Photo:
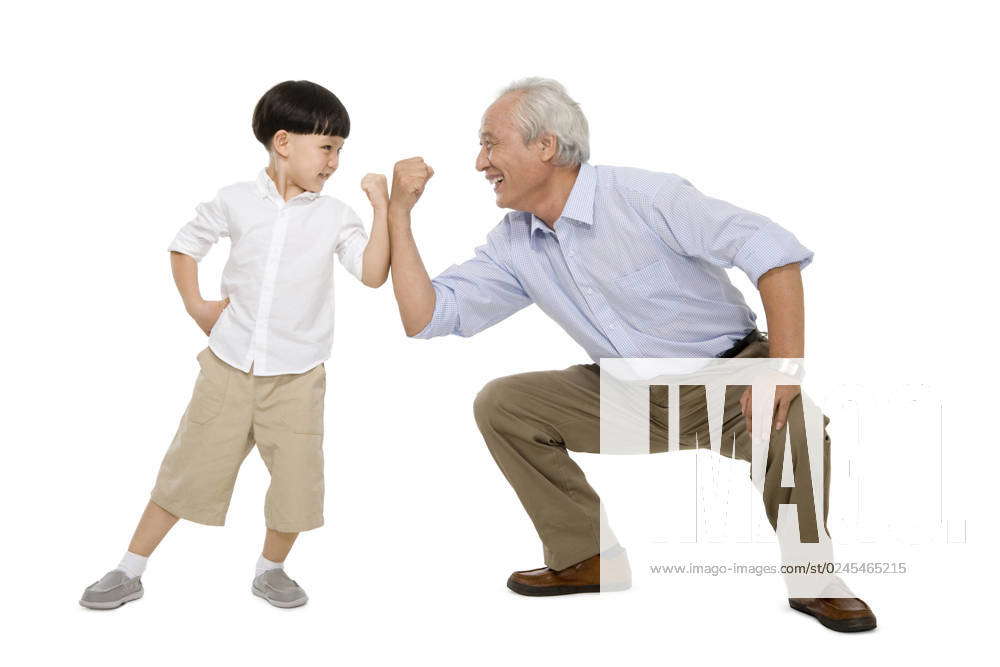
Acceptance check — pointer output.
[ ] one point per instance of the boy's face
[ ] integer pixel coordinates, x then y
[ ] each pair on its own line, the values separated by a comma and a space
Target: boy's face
312, 159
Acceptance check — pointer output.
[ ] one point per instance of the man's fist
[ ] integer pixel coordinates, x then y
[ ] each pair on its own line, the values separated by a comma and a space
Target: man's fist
377, 189
408, 180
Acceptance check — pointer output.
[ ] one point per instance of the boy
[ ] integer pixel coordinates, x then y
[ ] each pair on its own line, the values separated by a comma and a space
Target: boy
262, 379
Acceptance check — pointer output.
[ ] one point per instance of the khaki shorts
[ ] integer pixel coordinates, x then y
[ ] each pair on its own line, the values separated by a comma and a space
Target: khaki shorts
230, 412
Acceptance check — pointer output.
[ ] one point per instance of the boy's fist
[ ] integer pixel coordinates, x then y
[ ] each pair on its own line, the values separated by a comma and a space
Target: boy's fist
377, 189
408, 180
207, 313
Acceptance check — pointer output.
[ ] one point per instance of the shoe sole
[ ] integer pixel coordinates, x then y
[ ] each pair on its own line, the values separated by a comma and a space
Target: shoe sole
114, 604
840, 625
544, 591
277, 603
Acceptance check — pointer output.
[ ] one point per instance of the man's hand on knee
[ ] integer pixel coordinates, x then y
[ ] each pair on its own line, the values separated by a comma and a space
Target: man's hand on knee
784, 394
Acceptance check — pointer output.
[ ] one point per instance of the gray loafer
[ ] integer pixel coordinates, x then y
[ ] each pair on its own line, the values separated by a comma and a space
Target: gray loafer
113, 590
278, 588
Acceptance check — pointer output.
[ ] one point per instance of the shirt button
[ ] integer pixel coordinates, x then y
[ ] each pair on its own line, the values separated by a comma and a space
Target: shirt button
572, 253
590, 291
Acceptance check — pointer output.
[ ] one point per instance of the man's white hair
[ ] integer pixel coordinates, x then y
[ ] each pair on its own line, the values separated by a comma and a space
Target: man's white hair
544, 107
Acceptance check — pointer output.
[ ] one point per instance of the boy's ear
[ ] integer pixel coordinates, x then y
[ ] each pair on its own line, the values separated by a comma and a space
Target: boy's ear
279, 143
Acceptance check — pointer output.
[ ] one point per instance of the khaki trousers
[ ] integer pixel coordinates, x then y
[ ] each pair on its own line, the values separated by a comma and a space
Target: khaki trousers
230, 412
530, 420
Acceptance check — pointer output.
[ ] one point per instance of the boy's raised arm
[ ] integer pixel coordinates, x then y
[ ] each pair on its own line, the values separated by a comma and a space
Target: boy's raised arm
375, 262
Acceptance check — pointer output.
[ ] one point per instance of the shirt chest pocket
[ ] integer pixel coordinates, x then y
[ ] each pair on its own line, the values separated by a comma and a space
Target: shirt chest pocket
646, 292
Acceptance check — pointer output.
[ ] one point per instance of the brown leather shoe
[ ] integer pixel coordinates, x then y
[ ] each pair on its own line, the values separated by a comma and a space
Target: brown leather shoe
584, 577
840, 614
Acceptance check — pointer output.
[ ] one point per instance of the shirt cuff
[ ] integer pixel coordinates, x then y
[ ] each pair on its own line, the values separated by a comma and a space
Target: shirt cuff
766, 250
353, 257
445, 314
191, 250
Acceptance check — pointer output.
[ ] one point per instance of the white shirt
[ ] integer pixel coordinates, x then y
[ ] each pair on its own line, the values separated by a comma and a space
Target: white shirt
279, 276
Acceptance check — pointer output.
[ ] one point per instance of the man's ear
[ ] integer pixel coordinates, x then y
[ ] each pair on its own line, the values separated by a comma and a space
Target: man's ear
279, 143
548, 144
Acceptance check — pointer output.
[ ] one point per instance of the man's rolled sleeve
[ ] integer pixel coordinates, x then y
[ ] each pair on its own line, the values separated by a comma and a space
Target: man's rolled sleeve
476, 294
723, 234
445, 318
209, 225
768, 248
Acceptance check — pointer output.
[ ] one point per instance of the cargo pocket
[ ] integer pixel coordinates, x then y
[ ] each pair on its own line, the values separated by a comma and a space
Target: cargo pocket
308, 415
209, 389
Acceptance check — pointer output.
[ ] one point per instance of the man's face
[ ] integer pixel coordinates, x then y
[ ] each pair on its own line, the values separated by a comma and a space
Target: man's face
312, 159
516, 171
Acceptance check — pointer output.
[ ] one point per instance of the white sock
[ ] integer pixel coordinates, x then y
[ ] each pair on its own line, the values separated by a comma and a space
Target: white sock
263, 565
132, 564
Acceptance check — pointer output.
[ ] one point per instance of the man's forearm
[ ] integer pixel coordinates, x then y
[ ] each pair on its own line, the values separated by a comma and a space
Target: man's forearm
410, 282
781, 291
185, 270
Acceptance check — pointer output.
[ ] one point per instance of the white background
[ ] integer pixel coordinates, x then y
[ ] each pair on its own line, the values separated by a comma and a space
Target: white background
868, 129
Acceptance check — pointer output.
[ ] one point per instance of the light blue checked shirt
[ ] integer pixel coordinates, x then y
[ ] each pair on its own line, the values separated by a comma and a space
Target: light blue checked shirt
635, 267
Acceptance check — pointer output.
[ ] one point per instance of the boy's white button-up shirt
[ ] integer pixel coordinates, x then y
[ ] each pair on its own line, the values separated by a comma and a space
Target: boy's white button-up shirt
279, 276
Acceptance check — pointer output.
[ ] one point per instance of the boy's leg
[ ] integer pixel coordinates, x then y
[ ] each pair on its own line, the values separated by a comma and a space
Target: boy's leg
270, 580
196, 476
155, 523
199, 470
288, 431
277, 545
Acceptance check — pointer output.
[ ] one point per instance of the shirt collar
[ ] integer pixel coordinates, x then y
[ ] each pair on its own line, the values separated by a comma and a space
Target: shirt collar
267, 189
538, 225
580, 203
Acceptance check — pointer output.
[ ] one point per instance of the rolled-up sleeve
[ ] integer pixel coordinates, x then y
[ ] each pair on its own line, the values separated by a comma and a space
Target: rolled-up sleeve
209, 225
351, 242
723, 234
476, 294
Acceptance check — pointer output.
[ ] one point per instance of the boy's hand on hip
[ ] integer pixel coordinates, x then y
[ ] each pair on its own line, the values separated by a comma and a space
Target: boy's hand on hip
207, 313
409, 177
377, 188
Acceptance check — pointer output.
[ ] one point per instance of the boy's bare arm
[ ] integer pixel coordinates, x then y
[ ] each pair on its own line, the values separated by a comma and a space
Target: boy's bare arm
375, 262
204, 313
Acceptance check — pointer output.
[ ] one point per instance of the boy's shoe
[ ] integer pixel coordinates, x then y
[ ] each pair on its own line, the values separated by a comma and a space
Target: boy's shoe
113, 590
278, 589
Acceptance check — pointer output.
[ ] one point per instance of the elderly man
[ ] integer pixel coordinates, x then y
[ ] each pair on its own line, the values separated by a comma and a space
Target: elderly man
630, 263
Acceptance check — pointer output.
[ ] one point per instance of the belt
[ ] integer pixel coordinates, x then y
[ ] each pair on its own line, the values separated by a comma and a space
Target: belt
743, 344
